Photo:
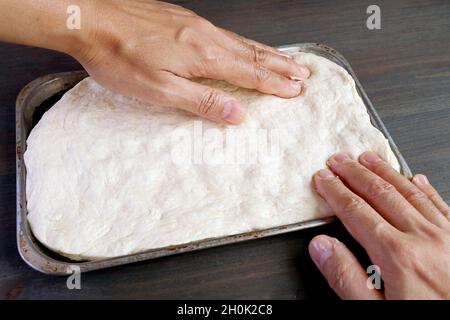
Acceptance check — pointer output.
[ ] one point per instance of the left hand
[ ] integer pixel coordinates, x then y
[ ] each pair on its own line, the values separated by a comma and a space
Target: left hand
153, 50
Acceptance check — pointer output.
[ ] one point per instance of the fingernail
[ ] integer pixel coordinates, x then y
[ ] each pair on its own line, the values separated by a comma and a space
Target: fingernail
325, 174
320, 249
296, 86
302, 72
371, 157
233, 112
340, 157
421, 179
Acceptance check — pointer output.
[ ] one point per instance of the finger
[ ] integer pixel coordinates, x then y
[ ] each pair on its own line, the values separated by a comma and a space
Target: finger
423, 184
411, 192
253, 42
280, 64
205, 101
360, 219
249, 75
341, 269
380, 194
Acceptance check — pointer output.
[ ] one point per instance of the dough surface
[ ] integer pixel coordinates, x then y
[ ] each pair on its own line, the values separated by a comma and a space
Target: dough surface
109, 175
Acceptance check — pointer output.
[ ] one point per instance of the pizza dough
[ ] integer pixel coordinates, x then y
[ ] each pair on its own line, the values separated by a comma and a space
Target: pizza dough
109, 175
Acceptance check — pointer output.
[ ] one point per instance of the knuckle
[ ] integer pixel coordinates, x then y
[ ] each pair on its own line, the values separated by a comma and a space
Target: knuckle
351, 204
379, 188
259, 55
245, 50
415, 196
261, 75
209, 102
202, 23
185, 34
203, 68
381, 232
434, 197
189, 36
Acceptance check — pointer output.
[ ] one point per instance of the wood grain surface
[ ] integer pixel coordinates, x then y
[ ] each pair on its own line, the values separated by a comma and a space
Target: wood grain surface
405, 69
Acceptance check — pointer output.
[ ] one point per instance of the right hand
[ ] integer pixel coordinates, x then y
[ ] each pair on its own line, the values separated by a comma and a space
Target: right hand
151, 50
403, 225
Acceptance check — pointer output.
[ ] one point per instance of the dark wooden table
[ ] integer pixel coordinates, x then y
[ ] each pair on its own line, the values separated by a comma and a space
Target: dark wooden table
405, 69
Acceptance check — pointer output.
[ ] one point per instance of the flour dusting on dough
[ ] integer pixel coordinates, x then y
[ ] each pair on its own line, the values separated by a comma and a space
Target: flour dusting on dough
101, 181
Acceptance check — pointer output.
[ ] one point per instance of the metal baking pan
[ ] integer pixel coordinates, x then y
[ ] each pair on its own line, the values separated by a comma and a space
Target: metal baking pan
40, 94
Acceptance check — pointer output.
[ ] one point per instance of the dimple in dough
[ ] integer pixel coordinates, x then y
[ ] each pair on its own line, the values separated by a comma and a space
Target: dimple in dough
102, 181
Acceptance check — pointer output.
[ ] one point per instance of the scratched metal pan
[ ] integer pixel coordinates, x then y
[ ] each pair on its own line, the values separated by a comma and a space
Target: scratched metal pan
39, 95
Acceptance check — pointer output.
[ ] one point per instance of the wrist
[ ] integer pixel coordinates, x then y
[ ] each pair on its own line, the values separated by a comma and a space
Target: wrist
73, 27
47, 24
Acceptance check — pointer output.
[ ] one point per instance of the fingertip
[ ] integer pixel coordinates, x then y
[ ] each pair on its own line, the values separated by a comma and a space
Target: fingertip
338, 158
369, 157
303, 71
296, 88
289, 89
421, 179
317, 240
321, 249
300, 73
233, 112
324, 174
320, 176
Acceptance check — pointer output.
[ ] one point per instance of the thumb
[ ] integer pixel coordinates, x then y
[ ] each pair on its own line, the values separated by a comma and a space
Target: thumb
341, 269
205, 101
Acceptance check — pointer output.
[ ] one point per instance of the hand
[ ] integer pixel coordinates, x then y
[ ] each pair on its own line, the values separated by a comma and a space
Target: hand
404, 226
151, 50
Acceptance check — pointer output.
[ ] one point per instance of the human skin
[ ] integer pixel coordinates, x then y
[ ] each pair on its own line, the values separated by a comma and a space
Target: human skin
403, 225
153, 50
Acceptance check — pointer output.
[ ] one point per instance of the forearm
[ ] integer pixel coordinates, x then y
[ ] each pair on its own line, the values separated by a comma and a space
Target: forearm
152, 50
41, 23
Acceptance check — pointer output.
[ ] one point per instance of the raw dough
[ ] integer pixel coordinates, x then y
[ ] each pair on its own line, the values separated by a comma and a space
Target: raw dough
103, 178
